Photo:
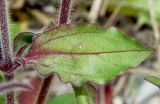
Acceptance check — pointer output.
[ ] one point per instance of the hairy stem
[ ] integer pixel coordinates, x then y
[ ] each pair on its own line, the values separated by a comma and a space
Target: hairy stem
5, 39
10, 94
5, 47
63, 19
44, 89
65, 12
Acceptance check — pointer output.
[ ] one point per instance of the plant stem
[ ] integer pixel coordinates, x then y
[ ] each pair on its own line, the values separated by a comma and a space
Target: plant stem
63, 19
44, 89
80, 95
10, 94
5, 51
5, 39
108, 94
85, 94
104, 94
100, 95
65, 12
1, 56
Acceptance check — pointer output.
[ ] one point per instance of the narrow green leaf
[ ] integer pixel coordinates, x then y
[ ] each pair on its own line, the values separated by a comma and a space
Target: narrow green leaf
80, 53
154, 80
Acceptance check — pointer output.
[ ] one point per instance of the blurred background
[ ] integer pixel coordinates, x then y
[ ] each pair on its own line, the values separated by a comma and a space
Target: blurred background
137, 18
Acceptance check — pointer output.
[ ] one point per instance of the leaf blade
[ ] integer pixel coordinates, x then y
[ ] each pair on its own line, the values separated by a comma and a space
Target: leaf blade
85, 53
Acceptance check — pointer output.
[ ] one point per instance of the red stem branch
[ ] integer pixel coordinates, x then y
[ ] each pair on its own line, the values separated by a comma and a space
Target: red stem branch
44, 89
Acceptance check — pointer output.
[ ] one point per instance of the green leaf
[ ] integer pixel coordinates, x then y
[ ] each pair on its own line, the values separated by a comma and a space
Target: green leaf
23, 38
21, 43
2, 98
136, 8
85, 94
19, 39
80, 53
154, 80
63, 99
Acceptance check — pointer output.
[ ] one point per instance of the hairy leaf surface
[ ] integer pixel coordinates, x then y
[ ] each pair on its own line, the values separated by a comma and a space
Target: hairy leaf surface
80, 53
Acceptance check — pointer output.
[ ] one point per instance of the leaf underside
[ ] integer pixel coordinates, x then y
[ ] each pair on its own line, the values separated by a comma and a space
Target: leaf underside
80, 53
154, 80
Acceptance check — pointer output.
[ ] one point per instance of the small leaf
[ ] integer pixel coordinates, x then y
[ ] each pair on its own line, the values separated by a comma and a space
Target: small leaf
21, 39
154, 80
80, 53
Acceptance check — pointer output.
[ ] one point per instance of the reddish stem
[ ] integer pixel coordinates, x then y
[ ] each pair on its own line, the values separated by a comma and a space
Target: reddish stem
65, 12
108, 94
104, 94
10, 95
5, 47
44, 89
5, 39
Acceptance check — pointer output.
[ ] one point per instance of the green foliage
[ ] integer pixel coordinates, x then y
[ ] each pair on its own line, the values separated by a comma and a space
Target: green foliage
63, 99
154, 80
19, 39
137, 8
2, 98
22, 39
85, 94
80, 53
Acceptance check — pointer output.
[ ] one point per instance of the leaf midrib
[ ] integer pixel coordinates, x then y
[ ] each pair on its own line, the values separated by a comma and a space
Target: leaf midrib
80, 54
95, 53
